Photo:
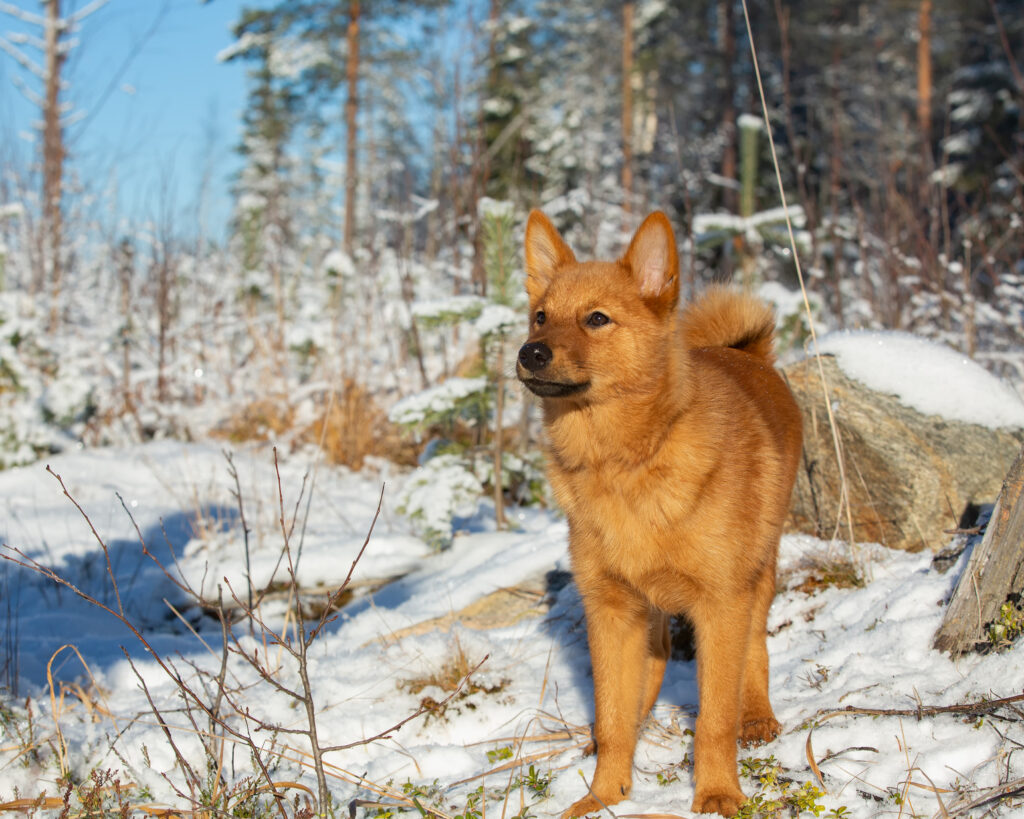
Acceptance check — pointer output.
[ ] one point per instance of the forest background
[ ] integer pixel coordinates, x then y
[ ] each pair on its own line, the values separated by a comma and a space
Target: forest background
372, 132
363, 300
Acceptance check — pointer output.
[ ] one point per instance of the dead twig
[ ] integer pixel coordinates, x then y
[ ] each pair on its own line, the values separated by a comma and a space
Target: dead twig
970, 709
973, 530
103, 545
237, 493
1007, 790
964, 709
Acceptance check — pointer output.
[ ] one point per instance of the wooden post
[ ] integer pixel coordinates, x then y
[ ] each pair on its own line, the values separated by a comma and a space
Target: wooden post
994, 571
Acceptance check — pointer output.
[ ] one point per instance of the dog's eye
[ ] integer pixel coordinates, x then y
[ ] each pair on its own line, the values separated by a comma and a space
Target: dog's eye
597, 319
540, 317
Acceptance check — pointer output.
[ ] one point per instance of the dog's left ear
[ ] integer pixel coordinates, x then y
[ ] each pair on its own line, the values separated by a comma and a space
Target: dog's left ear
654, 261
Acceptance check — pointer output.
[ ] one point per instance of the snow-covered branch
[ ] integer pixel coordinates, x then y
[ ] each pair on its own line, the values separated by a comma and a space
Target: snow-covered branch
22, 59
22, 14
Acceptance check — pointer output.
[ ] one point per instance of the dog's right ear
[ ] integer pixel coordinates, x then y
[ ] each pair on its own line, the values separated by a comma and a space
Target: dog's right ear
545, 252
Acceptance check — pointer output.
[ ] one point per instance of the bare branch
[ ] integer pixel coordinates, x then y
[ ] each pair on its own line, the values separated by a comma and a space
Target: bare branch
103, 546
969, 708
325, 617
387, 732
182, 762
115, 78
237, 492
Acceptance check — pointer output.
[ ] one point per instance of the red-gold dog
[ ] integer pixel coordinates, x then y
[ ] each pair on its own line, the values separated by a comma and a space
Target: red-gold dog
672, 447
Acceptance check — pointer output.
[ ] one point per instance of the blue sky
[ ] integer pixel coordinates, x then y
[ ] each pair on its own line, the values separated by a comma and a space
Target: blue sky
171, 118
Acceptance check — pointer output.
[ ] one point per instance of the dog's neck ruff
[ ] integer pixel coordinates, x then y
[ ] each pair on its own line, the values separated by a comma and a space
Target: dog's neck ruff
587, 434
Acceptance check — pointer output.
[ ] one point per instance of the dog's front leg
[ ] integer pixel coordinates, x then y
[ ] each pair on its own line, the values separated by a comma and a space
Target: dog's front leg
618, 633
722, 628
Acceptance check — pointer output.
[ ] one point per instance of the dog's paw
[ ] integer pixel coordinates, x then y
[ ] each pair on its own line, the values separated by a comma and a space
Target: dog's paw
588, 804
724, 803
758, 731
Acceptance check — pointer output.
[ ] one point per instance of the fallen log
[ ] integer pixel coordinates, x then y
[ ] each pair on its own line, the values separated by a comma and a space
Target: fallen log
994, 573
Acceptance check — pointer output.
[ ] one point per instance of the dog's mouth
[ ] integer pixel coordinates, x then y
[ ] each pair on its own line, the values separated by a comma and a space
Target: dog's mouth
554, 389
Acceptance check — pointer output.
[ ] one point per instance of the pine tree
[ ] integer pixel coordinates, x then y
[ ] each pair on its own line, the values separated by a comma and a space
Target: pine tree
42, 52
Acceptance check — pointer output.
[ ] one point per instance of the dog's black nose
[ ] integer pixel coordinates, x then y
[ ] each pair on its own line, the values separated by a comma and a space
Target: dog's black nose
535, 356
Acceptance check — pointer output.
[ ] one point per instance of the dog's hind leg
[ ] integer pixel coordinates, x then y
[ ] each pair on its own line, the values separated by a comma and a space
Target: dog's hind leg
659, 648
758, 723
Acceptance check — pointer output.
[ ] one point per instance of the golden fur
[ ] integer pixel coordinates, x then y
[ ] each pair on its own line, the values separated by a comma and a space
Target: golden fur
672, 446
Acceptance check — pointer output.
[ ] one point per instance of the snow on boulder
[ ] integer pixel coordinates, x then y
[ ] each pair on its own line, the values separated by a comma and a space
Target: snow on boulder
926, 437
930, 377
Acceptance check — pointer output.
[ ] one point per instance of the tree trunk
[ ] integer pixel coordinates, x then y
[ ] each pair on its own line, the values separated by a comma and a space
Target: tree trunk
994, 572
351, 133
924, 72
499, 412
627, 105
164, 271
125, 266
728, 40
53, 156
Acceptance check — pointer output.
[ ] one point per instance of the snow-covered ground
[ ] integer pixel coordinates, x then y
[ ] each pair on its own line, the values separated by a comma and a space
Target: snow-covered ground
531, 698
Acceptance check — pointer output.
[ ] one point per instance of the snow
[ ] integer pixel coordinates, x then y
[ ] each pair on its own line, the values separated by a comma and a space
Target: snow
785, 301
767, 224
711, 222
290, 57
498, 319
750, 122
930, 377
864, 647
461, 306
494, 208
419, 407
442, 489
247, 41
339, 263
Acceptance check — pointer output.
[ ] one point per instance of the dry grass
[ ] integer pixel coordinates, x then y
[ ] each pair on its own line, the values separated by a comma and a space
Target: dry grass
452, 673
448, 675
823, 570
356, 428
262, 420
351, 427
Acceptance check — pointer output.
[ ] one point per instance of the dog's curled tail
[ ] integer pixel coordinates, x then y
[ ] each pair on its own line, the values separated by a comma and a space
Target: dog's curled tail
722, 317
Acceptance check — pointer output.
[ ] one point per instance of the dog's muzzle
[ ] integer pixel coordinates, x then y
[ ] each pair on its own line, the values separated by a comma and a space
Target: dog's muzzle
534, 355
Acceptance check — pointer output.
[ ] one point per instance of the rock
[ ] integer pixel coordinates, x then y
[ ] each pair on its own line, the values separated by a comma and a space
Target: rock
909, 476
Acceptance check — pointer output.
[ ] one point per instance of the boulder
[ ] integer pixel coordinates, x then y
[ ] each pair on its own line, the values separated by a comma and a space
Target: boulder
910, 476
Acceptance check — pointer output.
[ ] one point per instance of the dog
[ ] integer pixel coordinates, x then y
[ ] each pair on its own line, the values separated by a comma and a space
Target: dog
672, 446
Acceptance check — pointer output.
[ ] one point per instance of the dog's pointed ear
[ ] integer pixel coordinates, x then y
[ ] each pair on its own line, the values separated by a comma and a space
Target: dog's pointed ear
545, 252
654, 261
